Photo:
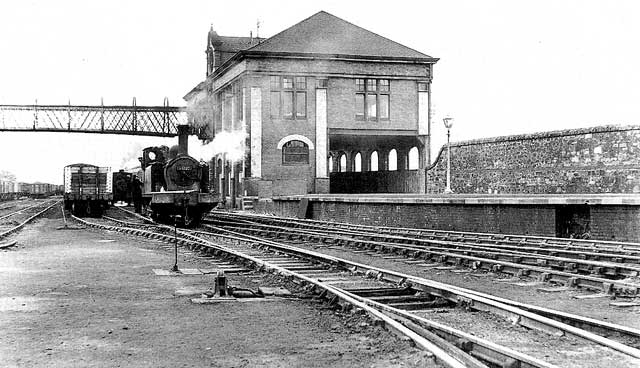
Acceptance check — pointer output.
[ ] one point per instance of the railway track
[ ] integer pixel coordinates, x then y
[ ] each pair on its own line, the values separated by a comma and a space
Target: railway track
16, 220
458, 236
617, 274
402, 302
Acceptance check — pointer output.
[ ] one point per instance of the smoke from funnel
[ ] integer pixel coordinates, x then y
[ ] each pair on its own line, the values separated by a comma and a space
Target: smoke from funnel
230, 143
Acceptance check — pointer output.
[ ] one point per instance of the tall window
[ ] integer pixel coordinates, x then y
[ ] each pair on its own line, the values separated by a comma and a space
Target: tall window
393, 160
295, 153
372, 99
288, 97
374, 161
226, 97
414, 159
217, 112
343, 163
239, 112
357, 163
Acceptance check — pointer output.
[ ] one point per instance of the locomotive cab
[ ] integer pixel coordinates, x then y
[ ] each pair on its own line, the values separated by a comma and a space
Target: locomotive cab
152, 164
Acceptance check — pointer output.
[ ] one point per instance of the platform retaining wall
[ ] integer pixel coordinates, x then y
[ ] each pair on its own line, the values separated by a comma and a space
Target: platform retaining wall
602, 159
608, 222
403, 181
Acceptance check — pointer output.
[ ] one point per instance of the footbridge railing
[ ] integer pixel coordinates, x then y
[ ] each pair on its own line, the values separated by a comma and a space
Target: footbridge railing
160, 121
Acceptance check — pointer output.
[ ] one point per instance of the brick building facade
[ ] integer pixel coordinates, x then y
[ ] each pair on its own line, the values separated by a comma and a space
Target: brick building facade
321, 96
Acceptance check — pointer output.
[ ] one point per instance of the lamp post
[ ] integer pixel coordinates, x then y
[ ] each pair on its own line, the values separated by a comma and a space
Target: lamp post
448, 123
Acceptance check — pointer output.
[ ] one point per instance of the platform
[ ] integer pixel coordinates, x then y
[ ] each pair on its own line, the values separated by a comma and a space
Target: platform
598, 216
588, 199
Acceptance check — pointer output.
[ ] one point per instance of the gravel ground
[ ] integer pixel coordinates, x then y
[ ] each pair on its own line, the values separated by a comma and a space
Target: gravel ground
89, 298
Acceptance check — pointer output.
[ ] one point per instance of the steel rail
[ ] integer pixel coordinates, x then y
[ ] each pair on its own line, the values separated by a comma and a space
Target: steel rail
451, 332
478, 344
572, 319
22, 224
573, 279
617, 261
474, 300
11, 205
580, 252
437, 352
549, 241
20, 211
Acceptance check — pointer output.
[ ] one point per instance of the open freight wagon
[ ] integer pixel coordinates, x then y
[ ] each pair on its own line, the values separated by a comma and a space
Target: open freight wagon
87, 189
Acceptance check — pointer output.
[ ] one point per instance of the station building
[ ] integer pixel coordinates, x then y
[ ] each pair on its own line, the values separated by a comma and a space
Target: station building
315, 102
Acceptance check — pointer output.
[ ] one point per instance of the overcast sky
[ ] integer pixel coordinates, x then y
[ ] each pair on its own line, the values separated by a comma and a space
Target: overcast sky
506, 67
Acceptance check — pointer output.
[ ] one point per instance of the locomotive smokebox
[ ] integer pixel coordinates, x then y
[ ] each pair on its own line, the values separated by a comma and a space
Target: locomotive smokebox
183, 139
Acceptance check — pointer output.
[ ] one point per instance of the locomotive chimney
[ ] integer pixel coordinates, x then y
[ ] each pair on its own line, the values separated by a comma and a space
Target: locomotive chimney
183, 139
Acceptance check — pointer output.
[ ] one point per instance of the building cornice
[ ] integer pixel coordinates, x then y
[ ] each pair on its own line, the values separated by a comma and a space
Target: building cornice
239, 56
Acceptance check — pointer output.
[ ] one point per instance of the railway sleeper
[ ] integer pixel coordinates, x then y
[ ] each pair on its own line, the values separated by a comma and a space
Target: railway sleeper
421, 305
403, 298
379, 292
391, 278
488, 356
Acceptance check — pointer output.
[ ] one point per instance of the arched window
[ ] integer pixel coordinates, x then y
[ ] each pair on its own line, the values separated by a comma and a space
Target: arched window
374, 161
414, 159
343, 163
330, 164
219, 168
357, 163
393, 160
295, 153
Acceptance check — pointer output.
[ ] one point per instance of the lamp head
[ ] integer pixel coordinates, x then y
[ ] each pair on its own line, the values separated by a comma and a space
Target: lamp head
448, 122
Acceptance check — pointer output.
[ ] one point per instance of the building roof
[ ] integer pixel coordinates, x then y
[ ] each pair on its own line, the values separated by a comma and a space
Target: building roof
197, 89
326, 34
231, 43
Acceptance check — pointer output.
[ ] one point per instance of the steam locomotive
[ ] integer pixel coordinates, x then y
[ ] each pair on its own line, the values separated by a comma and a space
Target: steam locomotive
175, 186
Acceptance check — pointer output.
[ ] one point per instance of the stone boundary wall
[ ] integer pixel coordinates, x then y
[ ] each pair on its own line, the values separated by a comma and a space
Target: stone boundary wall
604, 159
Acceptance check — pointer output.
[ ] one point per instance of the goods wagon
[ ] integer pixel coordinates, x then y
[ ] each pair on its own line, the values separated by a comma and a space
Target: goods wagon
87, 189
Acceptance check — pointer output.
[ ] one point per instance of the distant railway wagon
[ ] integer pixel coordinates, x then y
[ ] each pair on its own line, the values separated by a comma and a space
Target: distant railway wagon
13, 189
7, 186
39, 189
87, 189
36, 188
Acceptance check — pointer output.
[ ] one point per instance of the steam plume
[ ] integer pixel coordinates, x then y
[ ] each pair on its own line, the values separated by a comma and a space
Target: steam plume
230, 143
